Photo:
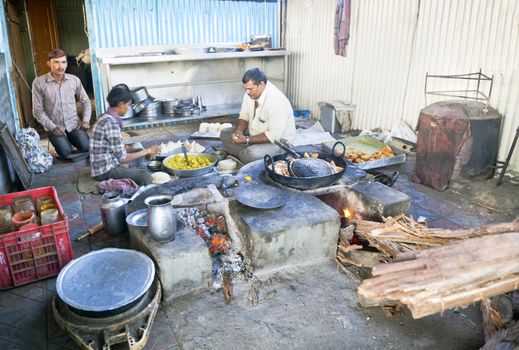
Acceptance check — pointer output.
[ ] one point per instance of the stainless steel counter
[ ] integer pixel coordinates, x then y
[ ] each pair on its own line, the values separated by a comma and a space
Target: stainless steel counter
211, 112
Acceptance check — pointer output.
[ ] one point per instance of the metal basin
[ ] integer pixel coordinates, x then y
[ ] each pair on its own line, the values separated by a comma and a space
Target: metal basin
191, 172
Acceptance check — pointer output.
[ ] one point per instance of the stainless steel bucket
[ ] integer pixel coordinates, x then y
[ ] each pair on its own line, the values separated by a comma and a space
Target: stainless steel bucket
162, 220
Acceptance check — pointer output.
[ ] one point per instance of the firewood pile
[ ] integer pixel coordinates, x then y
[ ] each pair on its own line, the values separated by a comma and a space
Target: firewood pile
401, 236
432, 270
435, 269
443, 277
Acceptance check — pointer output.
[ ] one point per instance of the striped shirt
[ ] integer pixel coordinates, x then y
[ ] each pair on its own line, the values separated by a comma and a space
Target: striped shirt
106, 145
54, 103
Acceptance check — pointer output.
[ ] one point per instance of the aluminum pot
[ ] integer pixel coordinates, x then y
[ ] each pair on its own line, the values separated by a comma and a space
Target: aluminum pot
139, 94
162, 220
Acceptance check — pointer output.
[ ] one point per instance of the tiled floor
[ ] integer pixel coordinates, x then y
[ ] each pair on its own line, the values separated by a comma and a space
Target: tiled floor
26, 320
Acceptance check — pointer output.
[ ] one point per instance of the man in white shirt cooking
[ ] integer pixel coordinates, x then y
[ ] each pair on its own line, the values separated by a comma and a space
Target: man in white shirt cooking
265, 116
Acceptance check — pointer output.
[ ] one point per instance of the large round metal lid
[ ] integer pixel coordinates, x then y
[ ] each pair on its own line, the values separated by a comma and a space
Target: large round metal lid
105, 280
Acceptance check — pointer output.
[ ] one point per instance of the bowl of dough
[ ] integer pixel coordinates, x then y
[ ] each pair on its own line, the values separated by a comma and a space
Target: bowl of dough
160, 177
227, 166
211, 129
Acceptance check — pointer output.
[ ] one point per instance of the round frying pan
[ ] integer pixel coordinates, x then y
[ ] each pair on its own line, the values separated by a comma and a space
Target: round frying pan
304, 167
307, 183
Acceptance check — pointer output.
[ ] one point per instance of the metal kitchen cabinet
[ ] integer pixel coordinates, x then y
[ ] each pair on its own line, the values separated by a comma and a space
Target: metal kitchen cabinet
216, 77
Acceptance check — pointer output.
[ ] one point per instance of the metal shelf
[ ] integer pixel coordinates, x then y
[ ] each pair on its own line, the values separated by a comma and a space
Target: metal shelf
139, 59
211, 112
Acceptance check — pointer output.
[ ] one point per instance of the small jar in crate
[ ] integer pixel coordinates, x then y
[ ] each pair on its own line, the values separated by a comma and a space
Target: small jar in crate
49, 216
23, 204
43, 203
23, 218
6, 214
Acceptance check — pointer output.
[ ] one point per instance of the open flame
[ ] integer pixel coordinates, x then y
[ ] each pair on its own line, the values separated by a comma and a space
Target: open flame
346, 213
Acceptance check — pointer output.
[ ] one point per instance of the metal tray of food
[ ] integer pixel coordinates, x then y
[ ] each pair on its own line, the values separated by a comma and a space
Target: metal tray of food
382, 163
105, 280
368, 145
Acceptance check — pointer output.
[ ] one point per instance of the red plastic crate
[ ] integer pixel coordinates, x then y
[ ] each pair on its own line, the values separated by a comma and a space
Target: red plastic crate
35, 253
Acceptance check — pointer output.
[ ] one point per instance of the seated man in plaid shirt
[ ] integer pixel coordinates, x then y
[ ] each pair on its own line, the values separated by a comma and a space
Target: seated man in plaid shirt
108, 156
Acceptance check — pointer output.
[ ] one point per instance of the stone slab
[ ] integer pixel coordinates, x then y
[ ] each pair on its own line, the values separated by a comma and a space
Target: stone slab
381, 200
369, 200
183, 265
304, 230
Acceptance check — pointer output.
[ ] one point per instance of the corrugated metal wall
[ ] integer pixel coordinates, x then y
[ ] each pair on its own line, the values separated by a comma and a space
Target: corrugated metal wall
127, 23
173, 22
8, 109
393, 43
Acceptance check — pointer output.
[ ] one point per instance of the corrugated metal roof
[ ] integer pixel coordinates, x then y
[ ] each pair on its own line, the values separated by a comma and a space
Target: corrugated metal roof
393, 43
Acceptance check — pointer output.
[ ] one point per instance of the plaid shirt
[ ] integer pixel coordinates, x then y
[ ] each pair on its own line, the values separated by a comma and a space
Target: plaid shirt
106, 145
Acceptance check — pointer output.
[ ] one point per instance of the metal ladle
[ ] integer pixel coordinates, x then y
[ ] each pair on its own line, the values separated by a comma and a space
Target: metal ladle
185, 155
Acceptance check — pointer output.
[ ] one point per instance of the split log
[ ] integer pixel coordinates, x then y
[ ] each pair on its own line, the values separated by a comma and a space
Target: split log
455, 274
400, 237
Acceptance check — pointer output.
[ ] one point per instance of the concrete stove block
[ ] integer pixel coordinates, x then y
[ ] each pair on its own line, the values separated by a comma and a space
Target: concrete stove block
183, 265
370, 200
304, 230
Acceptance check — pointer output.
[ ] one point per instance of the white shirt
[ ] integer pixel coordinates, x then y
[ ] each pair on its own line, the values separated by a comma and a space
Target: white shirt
274, 115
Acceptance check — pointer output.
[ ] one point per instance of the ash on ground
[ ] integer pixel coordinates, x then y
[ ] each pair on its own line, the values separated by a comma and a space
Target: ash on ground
212, 228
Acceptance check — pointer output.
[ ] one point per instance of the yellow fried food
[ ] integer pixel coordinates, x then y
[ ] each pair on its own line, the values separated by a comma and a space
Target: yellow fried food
356, 156
178, 162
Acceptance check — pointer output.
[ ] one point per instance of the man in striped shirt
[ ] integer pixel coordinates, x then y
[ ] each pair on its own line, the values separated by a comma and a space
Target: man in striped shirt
108, 156
54, 106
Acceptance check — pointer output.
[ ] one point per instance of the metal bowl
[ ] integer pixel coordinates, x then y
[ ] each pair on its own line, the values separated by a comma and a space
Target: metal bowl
154, 165
220, 155
191, 172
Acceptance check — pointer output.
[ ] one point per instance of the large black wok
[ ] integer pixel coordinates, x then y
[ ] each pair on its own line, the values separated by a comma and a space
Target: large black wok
307, 183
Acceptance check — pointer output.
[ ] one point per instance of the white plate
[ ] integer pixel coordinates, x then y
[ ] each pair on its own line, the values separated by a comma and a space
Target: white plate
206, 135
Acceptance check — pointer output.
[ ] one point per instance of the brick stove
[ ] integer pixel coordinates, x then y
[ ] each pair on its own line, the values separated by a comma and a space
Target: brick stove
305, 230
369, 200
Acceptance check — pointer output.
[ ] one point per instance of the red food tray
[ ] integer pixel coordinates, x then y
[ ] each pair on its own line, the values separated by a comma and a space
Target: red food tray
36, 253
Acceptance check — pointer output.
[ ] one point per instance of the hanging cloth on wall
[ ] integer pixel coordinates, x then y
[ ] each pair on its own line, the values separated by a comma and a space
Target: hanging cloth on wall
342, 26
